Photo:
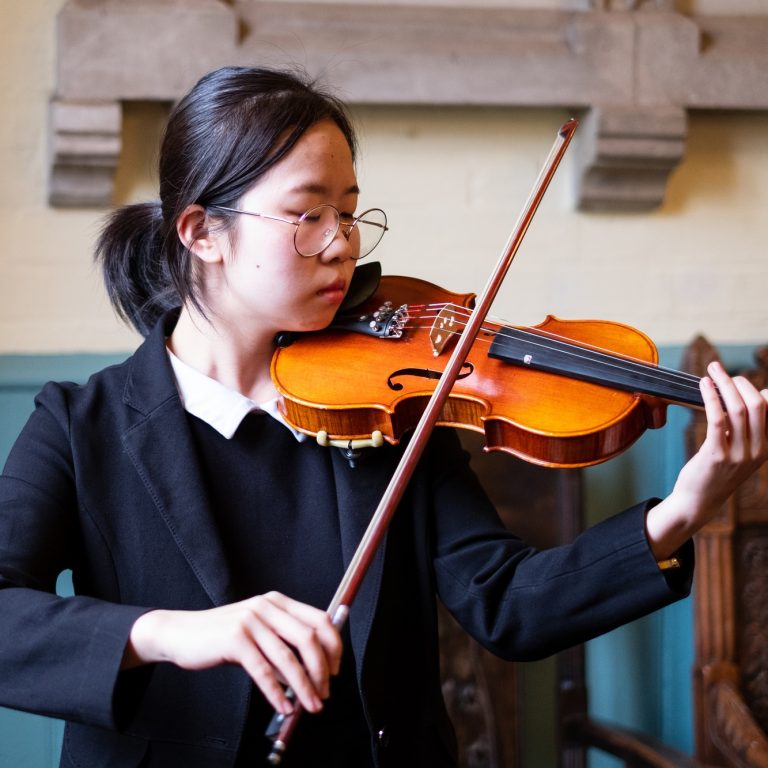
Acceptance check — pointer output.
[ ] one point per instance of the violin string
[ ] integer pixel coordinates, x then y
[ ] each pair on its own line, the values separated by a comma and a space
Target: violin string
617, 360
624, 363
537, 337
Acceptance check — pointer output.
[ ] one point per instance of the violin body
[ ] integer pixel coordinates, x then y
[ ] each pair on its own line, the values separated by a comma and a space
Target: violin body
351, 386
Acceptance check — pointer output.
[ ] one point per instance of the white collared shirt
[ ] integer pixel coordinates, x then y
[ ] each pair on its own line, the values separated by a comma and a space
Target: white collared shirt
218, 406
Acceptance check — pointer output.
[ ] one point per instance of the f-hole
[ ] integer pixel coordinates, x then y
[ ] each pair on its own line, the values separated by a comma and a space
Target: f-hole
424, 373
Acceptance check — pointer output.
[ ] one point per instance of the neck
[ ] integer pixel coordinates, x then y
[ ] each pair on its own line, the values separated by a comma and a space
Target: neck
523, 346
237, 359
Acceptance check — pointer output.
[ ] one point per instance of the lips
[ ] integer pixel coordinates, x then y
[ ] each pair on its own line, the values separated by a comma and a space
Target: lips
333, 292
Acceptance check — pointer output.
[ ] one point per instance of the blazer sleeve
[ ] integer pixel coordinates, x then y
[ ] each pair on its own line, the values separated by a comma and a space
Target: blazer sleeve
59, 656
522, 603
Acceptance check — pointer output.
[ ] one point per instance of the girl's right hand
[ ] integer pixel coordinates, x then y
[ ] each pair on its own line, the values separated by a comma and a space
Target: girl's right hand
276, 640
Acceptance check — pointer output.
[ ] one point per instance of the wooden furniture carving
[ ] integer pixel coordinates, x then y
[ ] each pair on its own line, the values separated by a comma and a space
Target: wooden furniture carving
482, 693
731, 603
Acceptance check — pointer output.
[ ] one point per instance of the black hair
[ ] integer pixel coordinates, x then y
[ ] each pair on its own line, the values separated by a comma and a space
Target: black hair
234, 125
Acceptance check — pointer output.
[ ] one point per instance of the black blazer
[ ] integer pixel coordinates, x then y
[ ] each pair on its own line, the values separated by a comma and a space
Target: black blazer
104, 480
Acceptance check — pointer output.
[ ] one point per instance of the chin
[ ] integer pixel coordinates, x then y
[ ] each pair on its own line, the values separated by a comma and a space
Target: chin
317, 324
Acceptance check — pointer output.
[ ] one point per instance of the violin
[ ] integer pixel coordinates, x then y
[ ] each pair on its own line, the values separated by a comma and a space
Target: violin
565, 393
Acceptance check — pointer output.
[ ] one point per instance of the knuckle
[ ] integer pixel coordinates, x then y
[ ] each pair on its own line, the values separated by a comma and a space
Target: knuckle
282, 653
284, 658
256, 603
326, 623
239, 634
306, 635
261, 668
738, 411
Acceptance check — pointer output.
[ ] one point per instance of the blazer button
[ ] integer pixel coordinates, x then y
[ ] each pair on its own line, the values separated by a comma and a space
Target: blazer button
382, 736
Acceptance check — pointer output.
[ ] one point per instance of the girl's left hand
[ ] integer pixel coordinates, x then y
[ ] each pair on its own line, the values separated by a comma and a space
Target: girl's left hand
735, 446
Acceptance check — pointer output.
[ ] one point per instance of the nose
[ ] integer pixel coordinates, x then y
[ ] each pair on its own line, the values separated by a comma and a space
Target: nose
340, 247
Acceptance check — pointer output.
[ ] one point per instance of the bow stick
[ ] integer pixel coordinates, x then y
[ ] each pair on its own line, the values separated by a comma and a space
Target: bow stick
282, 726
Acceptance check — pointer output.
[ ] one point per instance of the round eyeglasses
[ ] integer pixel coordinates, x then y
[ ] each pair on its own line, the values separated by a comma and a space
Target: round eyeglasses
316, 228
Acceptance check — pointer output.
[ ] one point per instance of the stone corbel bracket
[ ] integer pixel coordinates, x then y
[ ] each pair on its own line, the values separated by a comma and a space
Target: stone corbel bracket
110, 52
627, 155
633, 73
85, 144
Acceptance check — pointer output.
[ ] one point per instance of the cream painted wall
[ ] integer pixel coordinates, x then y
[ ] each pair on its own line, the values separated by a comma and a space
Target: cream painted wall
453, 182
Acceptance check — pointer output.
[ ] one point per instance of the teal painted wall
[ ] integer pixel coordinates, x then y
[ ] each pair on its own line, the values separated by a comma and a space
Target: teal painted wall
639, 675
30, 741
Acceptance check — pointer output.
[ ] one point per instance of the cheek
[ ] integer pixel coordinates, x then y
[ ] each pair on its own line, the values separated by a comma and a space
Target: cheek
276, 253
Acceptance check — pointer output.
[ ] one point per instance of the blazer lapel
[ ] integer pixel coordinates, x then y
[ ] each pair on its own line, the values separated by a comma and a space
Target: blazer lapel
161, 449
359, 491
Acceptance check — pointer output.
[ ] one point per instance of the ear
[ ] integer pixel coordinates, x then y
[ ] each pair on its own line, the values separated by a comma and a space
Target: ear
192, 229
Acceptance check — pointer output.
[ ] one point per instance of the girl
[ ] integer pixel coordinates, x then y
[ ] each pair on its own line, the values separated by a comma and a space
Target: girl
206, 537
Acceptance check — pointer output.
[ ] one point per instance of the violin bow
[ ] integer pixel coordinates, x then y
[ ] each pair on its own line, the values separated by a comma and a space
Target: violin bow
282, 726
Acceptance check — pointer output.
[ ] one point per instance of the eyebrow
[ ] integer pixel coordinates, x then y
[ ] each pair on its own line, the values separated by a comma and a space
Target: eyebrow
319, 189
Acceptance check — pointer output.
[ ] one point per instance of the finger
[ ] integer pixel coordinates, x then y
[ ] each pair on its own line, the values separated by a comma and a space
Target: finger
714, 407
764, 395
756, 411
739, 397
282, 658
262, 672
325, 632
277, 612
746, 412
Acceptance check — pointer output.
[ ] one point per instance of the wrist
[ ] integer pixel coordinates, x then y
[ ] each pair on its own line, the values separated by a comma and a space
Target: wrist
143, 646
668, 525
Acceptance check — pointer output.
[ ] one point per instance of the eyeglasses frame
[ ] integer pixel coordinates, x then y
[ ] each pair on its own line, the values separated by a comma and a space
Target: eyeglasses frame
346, 228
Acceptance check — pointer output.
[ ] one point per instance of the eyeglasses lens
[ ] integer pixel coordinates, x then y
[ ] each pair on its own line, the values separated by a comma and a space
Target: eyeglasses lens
316, 230
318, 227
371, 226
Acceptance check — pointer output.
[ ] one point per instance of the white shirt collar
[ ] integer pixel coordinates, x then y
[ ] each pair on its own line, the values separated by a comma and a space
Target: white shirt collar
218, 406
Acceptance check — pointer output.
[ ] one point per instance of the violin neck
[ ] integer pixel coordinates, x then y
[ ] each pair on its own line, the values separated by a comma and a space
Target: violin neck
543, 353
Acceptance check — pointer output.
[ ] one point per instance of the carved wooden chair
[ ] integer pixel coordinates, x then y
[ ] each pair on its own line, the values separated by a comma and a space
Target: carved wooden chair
731, 608
544, 507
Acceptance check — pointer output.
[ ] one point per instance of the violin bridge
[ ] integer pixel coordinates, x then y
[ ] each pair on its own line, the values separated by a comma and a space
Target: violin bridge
447, 324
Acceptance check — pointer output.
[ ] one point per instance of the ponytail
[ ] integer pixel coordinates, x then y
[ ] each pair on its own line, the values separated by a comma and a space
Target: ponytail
130, 252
